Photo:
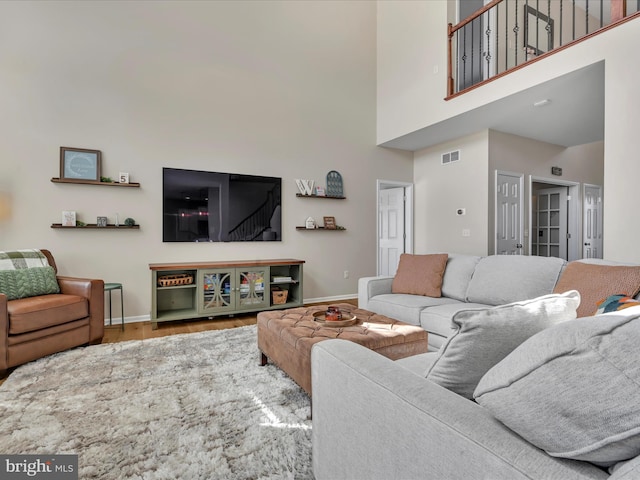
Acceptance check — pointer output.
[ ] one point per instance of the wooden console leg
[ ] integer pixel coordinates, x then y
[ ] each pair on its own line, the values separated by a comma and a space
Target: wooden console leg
263, 359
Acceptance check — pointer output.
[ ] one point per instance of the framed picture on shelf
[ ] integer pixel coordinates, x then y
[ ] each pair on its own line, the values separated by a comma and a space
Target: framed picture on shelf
101, 222
124, 177
80, 164
329, 223
68, 218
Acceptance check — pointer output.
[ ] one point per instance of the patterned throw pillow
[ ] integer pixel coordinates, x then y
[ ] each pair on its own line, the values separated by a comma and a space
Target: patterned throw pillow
28, 282
614, 303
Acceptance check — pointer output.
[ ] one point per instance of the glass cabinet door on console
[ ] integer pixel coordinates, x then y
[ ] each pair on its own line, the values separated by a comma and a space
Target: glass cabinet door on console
233, 289
216, 290
251, 288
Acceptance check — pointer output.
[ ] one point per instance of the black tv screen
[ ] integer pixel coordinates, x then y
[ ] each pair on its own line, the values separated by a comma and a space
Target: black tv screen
202, 206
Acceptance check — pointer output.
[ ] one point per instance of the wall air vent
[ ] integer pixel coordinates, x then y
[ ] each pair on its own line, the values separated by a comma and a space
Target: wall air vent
450, 157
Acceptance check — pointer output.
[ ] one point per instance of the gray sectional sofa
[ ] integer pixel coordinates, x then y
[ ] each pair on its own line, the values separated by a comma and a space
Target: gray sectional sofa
469, 282
559, 401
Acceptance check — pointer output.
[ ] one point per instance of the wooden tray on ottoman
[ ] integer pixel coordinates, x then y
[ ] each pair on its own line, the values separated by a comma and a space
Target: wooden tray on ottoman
347, 320
286, 337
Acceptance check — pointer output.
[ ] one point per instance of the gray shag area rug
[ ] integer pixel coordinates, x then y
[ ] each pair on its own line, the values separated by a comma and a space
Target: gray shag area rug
191, 406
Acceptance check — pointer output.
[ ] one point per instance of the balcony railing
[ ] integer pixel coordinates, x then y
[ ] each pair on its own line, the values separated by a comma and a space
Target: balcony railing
506, 34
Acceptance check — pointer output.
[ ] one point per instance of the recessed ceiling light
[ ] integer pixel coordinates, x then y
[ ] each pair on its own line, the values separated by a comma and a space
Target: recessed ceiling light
542, 103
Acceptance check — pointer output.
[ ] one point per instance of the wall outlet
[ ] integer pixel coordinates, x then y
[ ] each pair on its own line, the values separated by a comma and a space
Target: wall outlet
466, 232
346, 274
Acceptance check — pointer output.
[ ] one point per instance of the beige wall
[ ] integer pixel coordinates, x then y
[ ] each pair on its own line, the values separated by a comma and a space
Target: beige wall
269, 88
442, 189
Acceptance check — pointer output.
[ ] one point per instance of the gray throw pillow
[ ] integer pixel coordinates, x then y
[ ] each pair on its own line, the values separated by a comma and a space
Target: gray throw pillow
573, 389
483, 337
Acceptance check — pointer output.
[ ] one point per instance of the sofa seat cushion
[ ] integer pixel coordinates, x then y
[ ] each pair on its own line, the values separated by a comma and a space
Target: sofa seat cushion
501, 279
35, 313
404, 307
573, 389
482, 338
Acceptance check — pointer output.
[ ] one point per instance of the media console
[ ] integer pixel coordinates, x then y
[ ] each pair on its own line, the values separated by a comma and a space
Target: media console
182, 291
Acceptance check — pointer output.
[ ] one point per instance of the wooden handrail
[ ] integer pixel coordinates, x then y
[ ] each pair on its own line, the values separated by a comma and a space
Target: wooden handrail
474, 15
618, 16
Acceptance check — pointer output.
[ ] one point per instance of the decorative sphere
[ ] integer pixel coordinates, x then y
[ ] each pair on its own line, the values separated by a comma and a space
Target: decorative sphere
129, 222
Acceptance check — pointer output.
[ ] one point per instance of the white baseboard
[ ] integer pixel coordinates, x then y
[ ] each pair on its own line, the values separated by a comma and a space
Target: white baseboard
330, 299
118, 320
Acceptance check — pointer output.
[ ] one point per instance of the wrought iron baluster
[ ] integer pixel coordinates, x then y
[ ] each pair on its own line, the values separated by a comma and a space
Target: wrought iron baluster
573, 20
561, 20
537, 26
488, 55
473, 37
549, 28
515, 30
464, 58
497, 16
601, 13
586, 18
506, 36
527, 30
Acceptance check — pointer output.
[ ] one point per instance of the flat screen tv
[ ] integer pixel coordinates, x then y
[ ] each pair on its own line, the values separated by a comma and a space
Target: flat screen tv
202, 206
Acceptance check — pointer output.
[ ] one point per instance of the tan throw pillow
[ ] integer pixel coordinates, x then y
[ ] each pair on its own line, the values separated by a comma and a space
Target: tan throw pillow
596, 282
420, 274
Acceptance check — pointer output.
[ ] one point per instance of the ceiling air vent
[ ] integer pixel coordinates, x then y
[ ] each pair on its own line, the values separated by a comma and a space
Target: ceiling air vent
450, 157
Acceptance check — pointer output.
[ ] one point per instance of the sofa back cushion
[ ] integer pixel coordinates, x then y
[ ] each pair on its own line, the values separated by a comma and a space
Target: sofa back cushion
457, 275
573, 389
596, 282
500, 279
420, 274
483, 337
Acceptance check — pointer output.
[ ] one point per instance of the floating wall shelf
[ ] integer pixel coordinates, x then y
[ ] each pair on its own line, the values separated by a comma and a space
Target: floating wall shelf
93, 225
340, 229
320, 196
92, 182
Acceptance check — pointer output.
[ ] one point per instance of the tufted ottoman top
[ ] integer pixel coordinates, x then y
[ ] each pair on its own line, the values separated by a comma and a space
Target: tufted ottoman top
287, 336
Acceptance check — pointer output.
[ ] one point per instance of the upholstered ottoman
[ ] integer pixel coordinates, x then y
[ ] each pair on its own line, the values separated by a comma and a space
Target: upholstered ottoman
286, 337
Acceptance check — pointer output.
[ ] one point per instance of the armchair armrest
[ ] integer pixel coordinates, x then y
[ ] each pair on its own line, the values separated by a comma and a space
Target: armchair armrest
369, 287
374, 419
93, 291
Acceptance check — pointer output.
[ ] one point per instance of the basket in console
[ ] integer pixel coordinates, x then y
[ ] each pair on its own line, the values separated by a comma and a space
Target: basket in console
175, 280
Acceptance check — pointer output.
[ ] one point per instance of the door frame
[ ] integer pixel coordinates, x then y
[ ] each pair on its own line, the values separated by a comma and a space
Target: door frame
520, 177
601, 189
574, 214
408, 215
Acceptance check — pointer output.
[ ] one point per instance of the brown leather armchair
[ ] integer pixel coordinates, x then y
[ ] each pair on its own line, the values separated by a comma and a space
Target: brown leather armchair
34, 327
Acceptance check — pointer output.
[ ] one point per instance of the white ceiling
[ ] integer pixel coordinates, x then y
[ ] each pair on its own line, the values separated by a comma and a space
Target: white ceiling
574, 115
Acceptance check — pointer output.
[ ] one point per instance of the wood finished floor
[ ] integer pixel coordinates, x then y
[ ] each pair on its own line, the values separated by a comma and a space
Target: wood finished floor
143, 330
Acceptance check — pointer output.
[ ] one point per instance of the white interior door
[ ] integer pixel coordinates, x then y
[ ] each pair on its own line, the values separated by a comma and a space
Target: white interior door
391, 235
509, 213
550, 234
592, 222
